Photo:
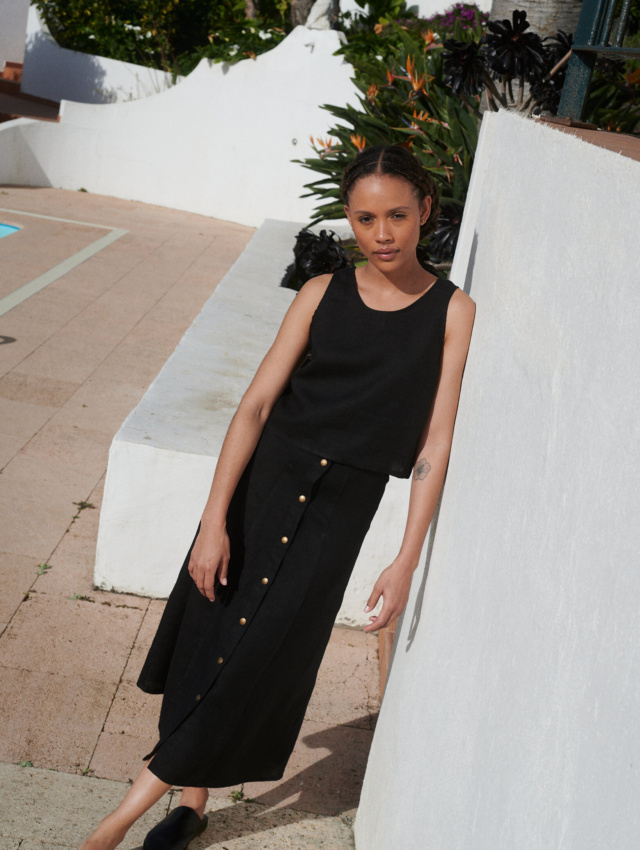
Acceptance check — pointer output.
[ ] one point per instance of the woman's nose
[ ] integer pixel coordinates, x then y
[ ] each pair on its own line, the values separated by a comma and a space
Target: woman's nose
382, 232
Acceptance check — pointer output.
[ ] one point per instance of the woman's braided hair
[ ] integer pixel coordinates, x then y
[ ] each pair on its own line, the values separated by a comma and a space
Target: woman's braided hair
398, 162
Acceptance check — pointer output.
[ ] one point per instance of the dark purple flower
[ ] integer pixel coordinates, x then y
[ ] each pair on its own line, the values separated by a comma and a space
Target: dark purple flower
463, 67
511, 51
442, 244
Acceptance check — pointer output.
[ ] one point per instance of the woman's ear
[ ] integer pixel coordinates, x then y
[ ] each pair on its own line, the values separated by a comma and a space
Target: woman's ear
347, 213
425, 209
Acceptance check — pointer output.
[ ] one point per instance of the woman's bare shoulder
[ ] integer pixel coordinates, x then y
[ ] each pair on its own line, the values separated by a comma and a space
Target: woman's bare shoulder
460, 313
462, 305
316, 287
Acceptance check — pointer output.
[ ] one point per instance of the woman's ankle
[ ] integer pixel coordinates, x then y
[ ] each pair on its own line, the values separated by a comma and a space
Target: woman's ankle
195, 798
108, 835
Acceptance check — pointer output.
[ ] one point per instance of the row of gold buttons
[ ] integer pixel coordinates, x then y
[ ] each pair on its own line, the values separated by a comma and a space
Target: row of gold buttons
265, 580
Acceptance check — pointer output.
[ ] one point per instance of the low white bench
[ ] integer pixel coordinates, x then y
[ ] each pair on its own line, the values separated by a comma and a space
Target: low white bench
163, 457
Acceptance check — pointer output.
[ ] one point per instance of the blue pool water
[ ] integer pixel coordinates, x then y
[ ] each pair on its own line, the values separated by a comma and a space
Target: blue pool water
6, 229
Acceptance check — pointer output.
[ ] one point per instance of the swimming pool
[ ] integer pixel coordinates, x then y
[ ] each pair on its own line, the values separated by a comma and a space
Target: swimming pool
6, 229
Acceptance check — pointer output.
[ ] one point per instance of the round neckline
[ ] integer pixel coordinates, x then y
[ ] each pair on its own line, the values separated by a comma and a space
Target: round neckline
383, 312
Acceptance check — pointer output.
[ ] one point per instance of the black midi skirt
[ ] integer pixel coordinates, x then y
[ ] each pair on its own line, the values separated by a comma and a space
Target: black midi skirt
237, 674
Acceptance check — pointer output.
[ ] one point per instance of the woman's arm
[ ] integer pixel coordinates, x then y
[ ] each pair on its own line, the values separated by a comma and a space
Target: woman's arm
434, 447
210, 554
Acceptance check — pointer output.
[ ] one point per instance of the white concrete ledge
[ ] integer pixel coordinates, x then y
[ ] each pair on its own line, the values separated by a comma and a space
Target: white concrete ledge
162, 459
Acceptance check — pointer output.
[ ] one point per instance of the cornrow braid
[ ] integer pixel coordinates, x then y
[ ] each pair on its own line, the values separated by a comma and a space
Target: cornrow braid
398, 162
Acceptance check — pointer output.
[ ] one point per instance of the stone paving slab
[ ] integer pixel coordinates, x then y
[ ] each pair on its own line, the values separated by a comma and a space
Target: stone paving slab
41, 809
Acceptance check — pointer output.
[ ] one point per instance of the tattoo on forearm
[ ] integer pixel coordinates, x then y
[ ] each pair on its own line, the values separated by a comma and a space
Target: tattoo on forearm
422, 469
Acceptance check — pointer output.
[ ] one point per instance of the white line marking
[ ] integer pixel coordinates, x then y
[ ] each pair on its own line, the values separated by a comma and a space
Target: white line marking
28, 289
55, 218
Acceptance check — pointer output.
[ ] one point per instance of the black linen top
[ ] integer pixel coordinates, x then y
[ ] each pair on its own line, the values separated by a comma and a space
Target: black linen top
363, 393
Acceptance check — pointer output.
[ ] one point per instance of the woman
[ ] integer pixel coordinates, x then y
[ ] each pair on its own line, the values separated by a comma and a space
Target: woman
362, 381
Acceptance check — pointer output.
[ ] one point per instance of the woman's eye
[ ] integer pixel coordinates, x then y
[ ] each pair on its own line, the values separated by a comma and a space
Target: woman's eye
399, 215
365, 219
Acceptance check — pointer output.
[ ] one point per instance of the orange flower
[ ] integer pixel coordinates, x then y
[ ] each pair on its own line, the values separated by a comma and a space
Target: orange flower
378, 29
429, 37
423, 115
358, 141
326, 145
408, 143
390, 77
417, 82
372, 91
632, 78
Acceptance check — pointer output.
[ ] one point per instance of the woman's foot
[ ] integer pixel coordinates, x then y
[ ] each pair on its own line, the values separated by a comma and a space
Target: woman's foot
145, 791
174, 832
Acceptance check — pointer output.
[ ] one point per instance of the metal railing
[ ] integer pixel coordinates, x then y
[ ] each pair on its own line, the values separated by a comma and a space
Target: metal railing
591, 40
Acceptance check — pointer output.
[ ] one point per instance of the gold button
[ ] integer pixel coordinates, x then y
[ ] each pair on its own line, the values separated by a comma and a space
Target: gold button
284, 539
302, 498
324, 462
265, 581
198, 697
220, 660
243, 622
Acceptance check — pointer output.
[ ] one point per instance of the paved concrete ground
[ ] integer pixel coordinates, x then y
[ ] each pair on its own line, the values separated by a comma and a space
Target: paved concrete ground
75, 357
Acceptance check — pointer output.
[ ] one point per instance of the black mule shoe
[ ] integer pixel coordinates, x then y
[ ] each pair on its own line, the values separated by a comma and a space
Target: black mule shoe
176, 830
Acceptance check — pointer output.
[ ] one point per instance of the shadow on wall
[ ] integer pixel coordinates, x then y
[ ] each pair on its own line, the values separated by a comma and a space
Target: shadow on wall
45, 62
19, 165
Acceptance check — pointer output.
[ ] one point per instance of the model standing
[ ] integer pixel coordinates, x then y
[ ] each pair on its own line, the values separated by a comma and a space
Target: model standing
361, 382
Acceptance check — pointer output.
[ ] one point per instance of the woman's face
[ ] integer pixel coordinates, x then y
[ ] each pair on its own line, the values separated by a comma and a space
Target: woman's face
385, 214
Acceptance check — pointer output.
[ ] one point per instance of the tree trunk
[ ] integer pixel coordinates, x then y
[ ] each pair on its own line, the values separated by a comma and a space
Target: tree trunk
545, 16
250, 8
300, 11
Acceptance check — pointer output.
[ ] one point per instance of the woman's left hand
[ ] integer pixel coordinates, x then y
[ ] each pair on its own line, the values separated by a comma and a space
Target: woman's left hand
393, 586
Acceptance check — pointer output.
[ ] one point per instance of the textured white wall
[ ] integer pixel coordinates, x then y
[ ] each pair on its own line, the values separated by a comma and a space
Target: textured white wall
220, 143
13, 25
510, 718
58, 74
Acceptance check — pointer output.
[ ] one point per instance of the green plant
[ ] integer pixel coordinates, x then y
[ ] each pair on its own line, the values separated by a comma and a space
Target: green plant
403, 100
239, 797
84, 505
42, 569
25, 763
166, 34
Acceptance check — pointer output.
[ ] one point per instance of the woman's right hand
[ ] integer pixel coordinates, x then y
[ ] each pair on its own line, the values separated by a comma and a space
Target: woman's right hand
210, 558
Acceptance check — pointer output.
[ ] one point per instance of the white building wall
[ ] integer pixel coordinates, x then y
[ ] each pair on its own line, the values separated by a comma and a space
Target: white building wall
13, 25
220, 143
55, 73
510, 718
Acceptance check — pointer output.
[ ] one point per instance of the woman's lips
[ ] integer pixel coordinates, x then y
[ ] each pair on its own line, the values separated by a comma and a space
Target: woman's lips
387, 254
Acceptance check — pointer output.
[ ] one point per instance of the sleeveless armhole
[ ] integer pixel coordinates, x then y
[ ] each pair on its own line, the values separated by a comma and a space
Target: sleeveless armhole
333, 287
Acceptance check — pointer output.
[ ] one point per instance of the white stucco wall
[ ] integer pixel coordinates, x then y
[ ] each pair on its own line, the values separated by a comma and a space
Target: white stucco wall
220, 143
13, 25
56, 73
162, 459
510, 718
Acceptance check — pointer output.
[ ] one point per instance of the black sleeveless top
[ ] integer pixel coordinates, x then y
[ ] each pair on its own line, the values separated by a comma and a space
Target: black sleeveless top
363, 393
